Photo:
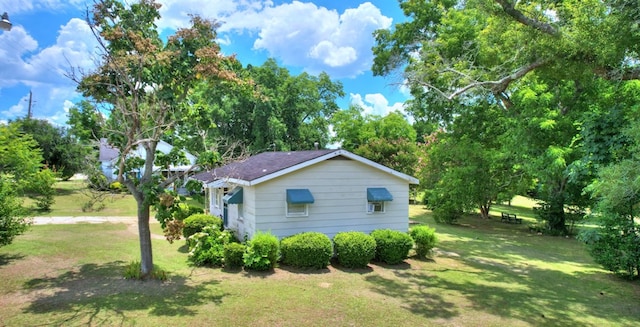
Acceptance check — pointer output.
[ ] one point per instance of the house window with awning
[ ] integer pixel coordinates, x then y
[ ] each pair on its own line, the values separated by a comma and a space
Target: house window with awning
376, 198
234, 197
298, 201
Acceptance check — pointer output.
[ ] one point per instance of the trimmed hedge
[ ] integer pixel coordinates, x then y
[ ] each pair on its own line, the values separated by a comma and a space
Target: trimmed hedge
392, 246
233, 253
354, 249
262, 252
307, 250
195, 223
424, 238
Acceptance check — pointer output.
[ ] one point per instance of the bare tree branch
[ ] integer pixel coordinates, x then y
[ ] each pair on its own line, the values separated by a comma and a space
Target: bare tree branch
510, 10
496, 86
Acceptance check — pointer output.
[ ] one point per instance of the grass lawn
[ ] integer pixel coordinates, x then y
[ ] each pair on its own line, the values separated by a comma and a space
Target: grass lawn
484, 273
71, 195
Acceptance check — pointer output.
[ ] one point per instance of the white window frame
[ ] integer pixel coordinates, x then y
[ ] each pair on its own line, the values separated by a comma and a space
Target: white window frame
372, 205
214, 198
293, 210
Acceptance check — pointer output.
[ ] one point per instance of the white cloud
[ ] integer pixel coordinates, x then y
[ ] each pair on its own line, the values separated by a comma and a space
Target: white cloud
43, 70
300, 34
376, 104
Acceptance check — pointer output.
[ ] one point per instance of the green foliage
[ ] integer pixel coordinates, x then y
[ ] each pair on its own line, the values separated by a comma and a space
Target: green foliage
40, 188
133, 271
354, 249
97, 180
171, 206
446, 209
12, 221
424, 238
285, 111
117, 187
60, 151
615, 245
392, 246
197, 222
233, 254
262, 252
85, 122
206, 248
307, 250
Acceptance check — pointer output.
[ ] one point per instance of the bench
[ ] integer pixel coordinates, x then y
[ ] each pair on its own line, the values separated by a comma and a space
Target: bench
510, 218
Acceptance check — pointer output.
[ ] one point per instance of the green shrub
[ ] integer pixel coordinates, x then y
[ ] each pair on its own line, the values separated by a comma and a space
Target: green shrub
195, 223
354, 249
233, 253
262, 252
117, 187
133, 271
307, 250
206, 248
424, 238
392, 246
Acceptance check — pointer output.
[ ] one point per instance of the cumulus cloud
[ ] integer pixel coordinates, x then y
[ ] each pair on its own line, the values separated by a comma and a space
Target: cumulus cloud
43, 70
299, 34
376, 104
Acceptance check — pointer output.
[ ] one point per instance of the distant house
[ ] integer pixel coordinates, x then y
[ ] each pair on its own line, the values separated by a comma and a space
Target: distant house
327, 191
108, 157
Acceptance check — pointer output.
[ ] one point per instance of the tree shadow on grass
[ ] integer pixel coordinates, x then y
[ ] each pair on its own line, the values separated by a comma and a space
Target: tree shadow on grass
415, 298
7, 258
99, 295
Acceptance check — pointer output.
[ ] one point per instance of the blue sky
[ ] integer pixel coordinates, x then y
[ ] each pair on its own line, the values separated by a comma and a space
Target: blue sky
50, 36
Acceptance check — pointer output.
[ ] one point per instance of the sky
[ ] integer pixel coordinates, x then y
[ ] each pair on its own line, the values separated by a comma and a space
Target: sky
50, 37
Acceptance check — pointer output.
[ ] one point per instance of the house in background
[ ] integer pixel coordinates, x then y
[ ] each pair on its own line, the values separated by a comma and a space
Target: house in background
108, 157
327, 191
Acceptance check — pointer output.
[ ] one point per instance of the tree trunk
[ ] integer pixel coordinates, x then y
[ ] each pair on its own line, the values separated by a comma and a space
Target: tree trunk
484, 210
146, 253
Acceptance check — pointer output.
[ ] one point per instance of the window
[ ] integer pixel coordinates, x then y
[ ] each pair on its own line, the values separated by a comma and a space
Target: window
376, 197
375, 206
218, 194
298, 201
297, 210
215, 198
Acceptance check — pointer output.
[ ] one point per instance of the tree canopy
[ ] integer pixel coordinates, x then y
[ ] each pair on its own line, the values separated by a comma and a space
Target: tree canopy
143, 82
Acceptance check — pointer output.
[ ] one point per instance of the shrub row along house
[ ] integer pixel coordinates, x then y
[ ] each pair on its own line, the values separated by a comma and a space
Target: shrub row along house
327, 191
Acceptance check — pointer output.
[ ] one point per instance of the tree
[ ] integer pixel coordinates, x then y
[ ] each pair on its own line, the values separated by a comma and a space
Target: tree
60, 150
468, 167
144, 83
388, 140
85, 122
482, 47
543, 62
19, 162
283, 111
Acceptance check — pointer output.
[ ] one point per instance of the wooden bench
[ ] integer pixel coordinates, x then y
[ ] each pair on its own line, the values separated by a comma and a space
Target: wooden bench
510, 218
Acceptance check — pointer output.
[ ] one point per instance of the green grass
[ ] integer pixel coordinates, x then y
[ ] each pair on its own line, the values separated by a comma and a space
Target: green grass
71, 195
485, 273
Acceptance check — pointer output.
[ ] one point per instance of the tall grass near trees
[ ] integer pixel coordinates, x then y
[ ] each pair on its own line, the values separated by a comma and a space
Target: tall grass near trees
482, 273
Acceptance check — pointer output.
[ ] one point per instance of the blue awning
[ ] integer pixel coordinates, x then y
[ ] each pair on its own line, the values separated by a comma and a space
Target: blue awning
378, 194
299, 196
234, 197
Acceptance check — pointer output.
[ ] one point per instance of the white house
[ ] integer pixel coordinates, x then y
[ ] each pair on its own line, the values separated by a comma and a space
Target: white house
327, 191
108, 157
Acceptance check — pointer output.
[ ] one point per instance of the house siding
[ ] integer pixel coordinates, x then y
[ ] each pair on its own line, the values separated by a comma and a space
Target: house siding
339, 188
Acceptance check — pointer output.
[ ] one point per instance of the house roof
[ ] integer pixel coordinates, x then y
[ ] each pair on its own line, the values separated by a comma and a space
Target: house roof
269, 165
107, 152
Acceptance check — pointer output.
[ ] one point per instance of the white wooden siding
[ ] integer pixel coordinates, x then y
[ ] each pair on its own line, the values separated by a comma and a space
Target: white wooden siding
339, 188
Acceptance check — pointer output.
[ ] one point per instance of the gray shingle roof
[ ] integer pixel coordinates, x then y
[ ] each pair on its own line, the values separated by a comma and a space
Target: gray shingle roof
261, 165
